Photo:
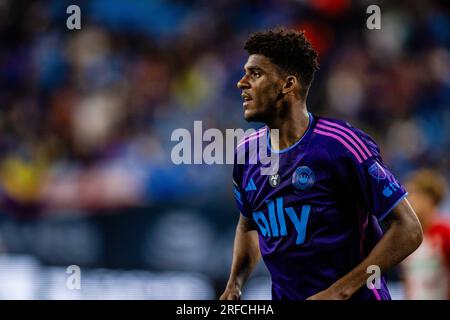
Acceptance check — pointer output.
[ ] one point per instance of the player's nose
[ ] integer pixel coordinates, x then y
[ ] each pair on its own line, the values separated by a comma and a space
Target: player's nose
243, 83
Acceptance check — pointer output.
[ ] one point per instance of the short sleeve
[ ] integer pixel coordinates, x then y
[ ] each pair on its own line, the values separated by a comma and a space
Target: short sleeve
241, 200
379, 190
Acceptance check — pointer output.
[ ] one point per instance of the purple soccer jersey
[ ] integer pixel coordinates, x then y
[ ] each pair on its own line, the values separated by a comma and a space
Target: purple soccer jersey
318, 217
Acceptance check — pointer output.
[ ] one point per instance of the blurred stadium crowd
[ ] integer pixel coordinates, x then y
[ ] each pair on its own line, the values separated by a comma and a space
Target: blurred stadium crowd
86, 118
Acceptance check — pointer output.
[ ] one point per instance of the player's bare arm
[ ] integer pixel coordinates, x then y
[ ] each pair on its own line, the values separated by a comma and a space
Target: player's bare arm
246, 255
403, 236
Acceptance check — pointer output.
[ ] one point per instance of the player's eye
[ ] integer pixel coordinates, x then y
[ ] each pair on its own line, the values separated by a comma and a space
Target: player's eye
256, 74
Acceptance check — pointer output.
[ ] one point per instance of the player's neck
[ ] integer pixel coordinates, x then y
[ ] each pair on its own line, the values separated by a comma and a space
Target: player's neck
292, 124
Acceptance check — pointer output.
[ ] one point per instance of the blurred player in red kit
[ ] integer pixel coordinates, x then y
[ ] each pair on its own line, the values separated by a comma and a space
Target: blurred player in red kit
427, 270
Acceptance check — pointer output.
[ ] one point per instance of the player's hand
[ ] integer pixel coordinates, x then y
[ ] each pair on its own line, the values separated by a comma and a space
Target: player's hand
231, 293
329, 294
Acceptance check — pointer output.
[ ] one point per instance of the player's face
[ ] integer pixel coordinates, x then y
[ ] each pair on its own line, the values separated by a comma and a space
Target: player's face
261, 88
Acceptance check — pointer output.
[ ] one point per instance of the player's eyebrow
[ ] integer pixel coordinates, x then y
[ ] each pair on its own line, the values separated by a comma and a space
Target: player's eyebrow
252, 68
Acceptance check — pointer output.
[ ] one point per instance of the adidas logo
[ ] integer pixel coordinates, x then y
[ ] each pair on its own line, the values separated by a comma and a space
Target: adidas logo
250, 186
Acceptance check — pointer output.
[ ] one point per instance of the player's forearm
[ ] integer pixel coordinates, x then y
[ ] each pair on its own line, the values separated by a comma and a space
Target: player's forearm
400, 240
245, 256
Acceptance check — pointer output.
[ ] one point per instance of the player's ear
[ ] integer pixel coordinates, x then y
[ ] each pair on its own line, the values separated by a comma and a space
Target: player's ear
290, 84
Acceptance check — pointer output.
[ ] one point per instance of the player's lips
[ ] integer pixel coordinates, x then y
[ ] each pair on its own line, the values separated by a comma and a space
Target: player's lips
247, 98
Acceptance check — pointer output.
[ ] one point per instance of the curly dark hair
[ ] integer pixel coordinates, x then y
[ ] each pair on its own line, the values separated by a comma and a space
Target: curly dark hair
288, 49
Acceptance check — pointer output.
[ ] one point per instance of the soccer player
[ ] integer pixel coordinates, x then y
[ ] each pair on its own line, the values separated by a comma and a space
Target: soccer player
316, 219
427, 271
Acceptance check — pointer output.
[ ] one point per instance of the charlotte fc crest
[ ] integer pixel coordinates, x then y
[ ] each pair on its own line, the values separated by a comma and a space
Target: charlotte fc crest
303, 178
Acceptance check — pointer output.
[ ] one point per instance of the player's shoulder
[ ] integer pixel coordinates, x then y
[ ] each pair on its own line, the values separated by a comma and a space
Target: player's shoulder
250, 140
344, 139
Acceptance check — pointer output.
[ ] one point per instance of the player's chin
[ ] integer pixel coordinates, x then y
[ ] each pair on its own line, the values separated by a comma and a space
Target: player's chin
251, 116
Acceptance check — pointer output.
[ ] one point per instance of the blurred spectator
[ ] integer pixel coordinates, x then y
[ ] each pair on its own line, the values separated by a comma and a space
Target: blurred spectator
86, 115
427, 271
